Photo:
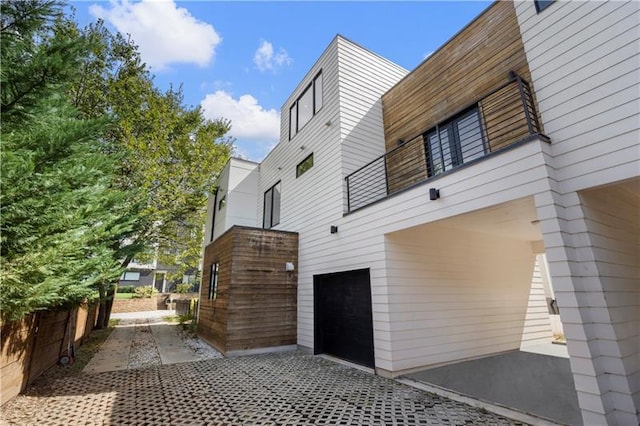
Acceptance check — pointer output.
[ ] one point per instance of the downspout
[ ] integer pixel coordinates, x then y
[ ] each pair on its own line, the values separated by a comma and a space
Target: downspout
213, 226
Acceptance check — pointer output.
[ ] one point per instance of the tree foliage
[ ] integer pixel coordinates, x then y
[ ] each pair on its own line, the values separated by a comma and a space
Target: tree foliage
63, 222
172, 153
98, 165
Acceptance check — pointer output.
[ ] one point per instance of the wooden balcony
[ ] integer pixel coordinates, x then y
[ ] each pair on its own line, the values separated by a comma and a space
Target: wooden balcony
503, 117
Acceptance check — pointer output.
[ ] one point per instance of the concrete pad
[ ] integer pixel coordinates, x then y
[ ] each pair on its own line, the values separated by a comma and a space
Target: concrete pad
114, 353
548, 349
170, 346
538, 384
149, 315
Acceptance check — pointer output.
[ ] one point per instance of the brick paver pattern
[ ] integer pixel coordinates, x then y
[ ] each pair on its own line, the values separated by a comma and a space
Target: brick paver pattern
270, 389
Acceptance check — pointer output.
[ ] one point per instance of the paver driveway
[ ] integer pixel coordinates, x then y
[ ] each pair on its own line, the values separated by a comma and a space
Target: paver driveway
272, 389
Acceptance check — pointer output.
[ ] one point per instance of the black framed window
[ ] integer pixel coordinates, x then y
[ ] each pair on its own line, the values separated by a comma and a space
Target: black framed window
455, 142
317, 93
271, 214
306, 106
542, 4
213, 281
304, 165
130, 276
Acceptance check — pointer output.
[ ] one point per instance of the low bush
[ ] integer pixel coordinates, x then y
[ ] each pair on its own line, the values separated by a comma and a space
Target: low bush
183, 288
146, 291
126, 289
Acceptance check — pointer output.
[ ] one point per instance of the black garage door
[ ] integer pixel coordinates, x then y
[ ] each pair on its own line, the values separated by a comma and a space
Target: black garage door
343, 321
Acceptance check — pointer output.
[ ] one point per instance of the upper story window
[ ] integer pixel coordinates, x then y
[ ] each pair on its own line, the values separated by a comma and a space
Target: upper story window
455, 142
271, 216
213, 281
542, 4
306, 106
304, 165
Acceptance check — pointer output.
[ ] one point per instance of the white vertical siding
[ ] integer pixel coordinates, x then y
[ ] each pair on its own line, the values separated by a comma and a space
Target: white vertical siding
584, 59
612, 217
364, 77
313, 202
238, 183
360, 241
537, 325
222, 183
455, 294
242, 192
592, 242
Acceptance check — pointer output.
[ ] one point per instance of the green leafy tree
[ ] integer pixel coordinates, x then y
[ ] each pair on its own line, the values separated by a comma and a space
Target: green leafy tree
64, 222
98, 165
172, 153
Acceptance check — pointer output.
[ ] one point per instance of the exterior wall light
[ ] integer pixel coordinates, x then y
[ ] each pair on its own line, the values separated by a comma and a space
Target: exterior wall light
289, 266
434, 194
334, 229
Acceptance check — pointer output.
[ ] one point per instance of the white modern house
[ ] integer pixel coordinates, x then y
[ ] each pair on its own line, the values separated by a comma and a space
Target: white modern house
438, 211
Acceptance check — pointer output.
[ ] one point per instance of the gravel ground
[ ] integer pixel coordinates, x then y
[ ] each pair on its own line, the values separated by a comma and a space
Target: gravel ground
200, 348
144, 352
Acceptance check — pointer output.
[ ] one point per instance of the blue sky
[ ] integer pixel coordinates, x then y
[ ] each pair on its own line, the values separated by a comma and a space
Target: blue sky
241, 60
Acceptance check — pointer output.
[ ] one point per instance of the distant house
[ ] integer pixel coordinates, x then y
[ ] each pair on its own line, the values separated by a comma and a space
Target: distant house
428, 217
156, 275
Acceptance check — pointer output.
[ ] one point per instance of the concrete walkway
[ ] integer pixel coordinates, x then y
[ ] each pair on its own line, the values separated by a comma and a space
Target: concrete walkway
115, 353
171, 347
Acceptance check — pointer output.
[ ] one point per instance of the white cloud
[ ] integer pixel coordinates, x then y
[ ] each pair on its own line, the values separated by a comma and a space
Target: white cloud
268, 60
166, 34
249, 120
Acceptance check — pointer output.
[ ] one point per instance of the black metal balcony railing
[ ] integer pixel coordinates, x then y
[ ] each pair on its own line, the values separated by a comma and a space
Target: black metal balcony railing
501, 118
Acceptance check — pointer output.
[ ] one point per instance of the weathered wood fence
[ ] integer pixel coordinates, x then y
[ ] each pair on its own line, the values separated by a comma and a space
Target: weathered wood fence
35, 343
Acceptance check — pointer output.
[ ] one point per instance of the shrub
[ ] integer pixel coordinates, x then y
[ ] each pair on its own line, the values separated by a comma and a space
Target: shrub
183, 288
146, 291
126, 289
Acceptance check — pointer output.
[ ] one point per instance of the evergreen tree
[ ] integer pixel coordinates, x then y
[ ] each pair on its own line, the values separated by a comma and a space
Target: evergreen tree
98, 165
63, 222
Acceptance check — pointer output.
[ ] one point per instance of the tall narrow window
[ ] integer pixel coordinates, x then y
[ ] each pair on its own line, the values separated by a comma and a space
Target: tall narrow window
317, 93
304, 165
306, 106
271, 216
213, 281
293, 120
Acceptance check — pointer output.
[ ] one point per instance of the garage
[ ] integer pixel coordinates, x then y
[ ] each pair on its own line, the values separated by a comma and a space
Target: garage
343, 319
